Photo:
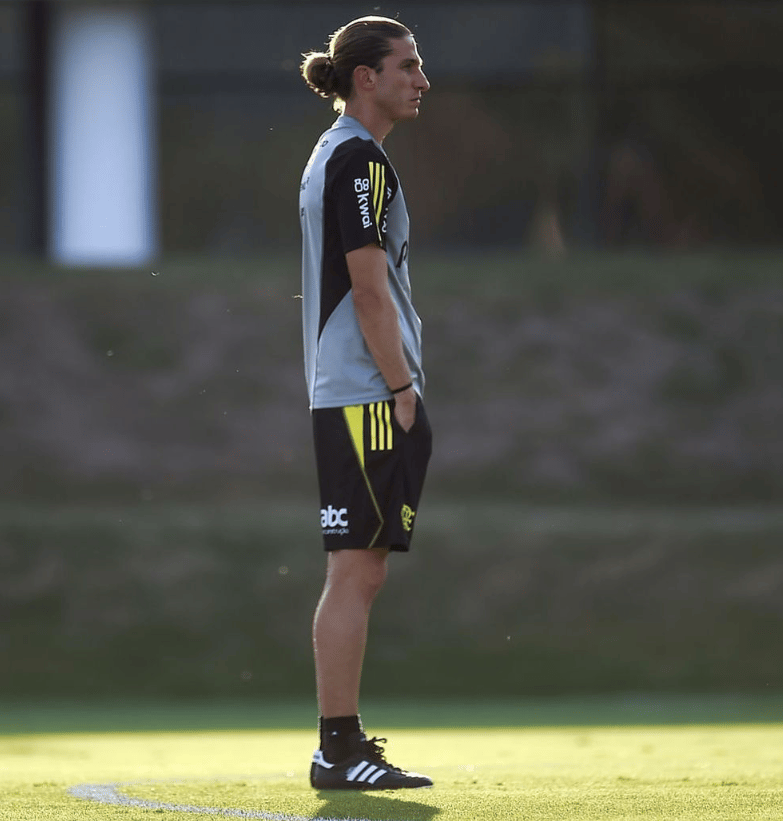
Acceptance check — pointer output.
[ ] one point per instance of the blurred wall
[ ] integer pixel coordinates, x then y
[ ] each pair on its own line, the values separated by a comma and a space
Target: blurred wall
101, 136
241, 115
604, 122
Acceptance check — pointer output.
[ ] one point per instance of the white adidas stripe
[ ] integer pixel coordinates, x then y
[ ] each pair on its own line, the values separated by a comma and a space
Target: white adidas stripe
365, 772
376, 776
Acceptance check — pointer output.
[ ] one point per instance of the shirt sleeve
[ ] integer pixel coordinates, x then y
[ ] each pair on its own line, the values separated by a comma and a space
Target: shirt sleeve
362, 189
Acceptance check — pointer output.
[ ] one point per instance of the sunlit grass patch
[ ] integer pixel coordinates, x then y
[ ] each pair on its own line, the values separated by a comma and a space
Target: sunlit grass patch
588, 773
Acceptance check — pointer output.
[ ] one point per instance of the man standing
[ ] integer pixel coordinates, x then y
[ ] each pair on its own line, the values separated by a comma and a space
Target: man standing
362, 347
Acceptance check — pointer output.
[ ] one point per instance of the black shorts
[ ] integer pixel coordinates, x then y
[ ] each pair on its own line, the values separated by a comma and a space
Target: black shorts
370, 473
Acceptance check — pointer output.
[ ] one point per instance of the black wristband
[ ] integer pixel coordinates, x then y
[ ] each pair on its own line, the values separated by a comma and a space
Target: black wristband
403, 388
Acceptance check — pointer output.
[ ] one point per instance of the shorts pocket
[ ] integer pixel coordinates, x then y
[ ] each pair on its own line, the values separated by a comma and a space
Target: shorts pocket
416, 421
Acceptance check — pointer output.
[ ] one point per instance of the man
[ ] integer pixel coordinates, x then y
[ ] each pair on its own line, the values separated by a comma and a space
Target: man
362, 344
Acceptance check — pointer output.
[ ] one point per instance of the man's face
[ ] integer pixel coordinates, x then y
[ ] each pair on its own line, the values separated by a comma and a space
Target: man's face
401, 81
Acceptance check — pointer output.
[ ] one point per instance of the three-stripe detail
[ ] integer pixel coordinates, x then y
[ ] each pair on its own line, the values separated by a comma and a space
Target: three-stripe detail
354, 420
381, 431
365, 773
378, 186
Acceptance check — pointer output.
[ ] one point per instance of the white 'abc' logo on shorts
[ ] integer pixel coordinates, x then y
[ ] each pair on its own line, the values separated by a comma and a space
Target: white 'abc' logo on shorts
334, 520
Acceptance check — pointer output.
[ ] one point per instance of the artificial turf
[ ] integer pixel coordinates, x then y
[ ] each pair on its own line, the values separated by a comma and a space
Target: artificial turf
601, 772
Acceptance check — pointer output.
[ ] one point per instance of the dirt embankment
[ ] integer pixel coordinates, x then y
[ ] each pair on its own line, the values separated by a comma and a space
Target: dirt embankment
109, 390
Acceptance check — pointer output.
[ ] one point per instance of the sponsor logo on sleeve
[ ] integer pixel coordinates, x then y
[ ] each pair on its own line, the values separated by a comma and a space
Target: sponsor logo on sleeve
372, 196
362, 188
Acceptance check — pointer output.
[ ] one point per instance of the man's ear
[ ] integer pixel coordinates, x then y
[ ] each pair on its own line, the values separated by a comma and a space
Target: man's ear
364, 78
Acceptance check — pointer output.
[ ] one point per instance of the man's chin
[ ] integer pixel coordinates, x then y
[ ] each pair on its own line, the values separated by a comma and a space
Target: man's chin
407, 114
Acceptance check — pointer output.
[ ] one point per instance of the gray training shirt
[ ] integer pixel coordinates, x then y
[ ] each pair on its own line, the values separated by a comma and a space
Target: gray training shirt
350, 197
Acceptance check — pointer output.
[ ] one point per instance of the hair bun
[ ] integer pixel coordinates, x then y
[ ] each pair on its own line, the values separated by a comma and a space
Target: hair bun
319, 73
365, 41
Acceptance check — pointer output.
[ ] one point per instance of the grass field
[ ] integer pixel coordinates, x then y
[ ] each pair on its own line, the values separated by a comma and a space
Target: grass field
659, 567
163, 599
598, 759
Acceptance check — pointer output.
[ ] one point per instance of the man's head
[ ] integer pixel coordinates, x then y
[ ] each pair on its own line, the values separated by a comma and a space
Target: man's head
358, 54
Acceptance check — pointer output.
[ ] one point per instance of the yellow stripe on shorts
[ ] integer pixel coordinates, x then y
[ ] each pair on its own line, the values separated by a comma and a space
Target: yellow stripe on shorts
381, 434
354, 419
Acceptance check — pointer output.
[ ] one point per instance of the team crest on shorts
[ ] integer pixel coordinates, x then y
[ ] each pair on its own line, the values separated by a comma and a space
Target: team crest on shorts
406, 514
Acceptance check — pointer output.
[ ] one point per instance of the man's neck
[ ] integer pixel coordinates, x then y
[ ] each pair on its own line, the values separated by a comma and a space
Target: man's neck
369, 117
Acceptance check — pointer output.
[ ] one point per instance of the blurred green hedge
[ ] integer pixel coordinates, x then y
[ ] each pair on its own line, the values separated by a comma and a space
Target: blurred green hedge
159, 533
495, 599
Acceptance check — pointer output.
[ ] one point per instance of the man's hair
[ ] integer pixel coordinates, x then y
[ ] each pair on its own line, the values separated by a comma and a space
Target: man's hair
362, 42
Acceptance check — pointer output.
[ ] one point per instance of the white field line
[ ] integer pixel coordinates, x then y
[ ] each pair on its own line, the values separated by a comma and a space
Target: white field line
108, 794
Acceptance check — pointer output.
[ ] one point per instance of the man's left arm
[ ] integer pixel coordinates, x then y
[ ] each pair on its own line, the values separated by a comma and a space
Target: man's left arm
380, 325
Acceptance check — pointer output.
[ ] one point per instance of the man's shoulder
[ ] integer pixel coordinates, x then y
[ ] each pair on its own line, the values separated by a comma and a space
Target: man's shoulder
355, 148
349, 138
357, 157
338, 148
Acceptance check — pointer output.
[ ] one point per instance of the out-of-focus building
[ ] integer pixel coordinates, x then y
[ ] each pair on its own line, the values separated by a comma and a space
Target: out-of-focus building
133, 129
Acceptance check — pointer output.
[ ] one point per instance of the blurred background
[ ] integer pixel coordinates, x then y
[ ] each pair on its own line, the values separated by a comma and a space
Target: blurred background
596, 200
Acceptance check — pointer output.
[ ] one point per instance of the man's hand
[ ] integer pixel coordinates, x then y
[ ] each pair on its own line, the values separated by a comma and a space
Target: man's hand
405, 408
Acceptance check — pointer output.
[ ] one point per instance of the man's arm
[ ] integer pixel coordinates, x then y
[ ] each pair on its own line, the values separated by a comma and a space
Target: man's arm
380, 325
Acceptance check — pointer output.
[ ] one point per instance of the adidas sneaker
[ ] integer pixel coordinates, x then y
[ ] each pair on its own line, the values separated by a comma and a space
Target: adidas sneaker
364, 769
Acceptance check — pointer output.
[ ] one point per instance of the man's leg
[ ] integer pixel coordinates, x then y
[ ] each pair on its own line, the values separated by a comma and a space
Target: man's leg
347, 760
353, 579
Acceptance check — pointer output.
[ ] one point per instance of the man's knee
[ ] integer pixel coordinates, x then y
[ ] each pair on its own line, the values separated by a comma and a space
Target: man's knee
362, 569
376, 570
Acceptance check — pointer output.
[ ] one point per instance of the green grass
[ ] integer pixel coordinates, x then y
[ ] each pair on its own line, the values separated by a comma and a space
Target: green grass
26, 717
593, 762
166, 600
438, 272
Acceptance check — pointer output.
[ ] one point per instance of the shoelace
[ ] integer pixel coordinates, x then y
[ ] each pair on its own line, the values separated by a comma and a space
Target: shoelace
375, 752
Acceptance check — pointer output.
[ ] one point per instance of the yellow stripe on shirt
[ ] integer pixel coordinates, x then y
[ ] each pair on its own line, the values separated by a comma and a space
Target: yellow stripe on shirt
378, 183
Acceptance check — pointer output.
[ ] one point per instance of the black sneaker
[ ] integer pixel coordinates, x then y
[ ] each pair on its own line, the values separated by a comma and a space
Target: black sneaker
364, 769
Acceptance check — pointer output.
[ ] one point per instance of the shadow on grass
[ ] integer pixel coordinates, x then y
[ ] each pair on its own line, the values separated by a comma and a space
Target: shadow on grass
372, 806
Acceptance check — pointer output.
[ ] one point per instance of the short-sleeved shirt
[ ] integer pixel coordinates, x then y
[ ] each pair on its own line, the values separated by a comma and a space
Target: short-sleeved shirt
350, 197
